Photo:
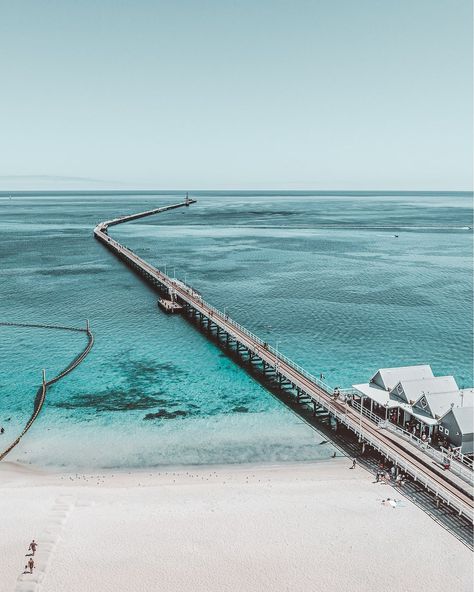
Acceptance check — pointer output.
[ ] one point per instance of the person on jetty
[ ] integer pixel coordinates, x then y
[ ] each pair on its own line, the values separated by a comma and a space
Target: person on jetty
33, 546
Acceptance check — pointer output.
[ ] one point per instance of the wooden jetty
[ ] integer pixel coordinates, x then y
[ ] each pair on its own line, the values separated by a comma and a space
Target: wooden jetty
306, 389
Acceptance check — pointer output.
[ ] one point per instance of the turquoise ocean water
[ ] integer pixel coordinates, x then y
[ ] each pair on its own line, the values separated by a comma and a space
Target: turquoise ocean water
324, 276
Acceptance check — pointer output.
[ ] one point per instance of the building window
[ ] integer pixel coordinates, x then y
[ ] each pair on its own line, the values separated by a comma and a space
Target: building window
446, 431
441, 429
423, 402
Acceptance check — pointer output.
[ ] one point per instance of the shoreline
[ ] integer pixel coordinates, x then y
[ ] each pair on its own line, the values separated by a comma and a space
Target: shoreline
296, 526
51, 470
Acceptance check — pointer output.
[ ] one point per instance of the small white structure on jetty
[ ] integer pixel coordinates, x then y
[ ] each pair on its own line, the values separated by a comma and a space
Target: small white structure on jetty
170, 305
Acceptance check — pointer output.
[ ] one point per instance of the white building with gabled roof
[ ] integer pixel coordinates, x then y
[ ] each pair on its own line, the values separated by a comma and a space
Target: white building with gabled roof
457, 426
437, 404
412, 397
410, 391
388, 378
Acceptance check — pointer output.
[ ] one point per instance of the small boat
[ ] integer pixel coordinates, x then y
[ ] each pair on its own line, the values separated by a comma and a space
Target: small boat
395, 235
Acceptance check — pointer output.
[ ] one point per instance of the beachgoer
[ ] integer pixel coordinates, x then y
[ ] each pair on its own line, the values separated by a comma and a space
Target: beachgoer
353, 464
2, 430
33, 546
31, 564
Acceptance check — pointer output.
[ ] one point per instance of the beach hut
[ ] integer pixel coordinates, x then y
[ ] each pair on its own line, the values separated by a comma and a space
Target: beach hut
457, 426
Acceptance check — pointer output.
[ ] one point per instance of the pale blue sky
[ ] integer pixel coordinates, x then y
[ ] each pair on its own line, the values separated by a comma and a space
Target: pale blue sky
264, 94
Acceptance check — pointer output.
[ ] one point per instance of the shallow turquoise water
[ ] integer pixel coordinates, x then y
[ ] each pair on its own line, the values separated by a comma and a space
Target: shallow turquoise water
323, 276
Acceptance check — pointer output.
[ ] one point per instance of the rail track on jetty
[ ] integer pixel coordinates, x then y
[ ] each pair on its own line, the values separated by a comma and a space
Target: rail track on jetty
45, 384
297, 387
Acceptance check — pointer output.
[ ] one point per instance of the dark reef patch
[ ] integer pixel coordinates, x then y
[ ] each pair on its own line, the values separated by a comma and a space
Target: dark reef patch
145, 372
163, 414
130, 400
240, 409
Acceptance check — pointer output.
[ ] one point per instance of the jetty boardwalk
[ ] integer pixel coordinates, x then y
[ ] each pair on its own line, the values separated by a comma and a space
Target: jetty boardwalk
454, 490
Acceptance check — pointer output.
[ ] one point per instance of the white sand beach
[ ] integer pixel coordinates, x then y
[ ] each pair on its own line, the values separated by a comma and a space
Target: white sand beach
306, 527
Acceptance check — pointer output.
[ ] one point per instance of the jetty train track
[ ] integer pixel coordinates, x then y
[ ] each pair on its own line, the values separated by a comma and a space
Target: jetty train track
307, 390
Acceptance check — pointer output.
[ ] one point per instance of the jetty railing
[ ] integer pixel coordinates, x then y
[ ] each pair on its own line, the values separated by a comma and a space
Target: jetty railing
367, 413
442, 456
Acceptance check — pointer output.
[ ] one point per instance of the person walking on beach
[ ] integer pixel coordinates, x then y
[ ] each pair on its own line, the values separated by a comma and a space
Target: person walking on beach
33, 546
31, 564
353, 464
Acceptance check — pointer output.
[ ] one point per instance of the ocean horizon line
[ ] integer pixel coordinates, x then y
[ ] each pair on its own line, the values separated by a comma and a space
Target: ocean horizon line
233, 192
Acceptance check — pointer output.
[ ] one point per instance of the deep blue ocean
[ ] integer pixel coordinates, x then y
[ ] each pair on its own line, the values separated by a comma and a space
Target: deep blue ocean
324, 276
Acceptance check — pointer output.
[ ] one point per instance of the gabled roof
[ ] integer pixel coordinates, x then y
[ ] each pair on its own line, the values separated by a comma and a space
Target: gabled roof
414, 390
466, 398
387, 378
464, 417
439, 403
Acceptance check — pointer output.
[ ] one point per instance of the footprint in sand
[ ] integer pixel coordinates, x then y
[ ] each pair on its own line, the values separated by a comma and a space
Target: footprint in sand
47, 542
